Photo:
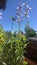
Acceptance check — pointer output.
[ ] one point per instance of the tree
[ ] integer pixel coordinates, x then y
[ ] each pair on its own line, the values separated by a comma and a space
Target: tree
30, 32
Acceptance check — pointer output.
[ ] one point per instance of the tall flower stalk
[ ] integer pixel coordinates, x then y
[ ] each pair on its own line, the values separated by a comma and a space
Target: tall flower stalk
26, 11
22, 12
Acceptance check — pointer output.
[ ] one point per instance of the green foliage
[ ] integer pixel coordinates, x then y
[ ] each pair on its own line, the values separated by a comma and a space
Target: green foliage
12, 48
2, 37
8, 36
12, 18
13, 51
25, 63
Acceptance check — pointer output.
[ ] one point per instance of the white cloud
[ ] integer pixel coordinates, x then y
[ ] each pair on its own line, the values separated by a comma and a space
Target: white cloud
0, 13
0, 17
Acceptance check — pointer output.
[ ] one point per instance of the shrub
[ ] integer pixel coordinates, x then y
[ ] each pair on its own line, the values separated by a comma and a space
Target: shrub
13, 51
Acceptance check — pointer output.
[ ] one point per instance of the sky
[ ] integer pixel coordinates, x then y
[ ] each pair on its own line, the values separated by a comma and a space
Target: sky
10, 10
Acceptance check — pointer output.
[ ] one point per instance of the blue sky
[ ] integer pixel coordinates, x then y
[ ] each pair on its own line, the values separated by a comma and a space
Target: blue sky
10, 10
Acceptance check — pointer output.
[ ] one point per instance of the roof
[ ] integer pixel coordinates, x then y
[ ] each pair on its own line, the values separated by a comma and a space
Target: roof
32, 39
3, 4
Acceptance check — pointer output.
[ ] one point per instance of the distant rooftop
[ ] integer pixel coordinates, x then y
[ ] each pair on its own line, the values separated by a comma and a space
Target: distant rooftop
32, 38
3, 4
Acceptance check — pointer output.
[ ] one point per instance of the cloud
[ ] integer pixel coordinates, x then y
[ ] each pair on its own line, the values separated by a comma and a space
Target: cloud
0, 17
0, 13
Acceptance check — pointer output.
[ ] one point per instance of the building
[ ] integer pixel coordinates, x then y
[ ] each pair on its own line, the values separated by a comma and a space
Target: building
3, 4
32, 48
